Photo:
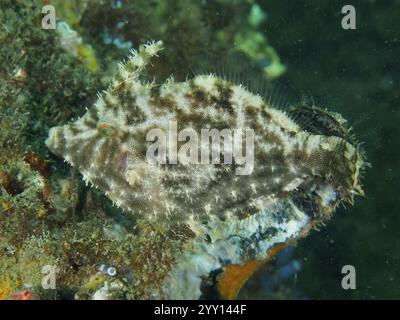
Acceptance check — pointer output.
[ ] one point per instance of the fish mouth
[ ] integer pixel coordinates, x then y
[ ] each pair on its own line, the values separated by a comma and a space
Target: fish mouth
318, 121
320, 198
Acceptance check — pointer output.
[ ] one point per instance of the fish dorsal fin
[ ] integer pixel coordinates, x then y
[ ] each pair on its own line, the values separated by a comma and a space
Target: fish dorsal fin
237, 69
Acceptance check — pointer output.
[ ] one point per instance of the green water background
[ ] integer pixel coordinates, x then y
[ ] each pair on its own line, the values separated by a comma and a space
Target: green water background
357, 72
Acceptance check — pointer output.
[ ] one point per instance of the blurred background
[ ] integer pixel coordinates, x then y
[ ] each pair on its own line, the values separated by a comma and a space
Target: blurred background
357, 73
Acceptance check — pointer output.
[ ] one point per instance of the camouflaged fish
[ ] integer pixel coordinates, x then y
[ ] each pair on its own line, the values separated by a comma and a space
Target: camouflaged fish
305, 156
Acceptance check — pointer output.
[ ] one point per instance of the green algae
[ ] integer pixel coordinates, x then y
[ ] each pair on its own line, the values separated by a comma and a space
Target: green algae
53, 218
